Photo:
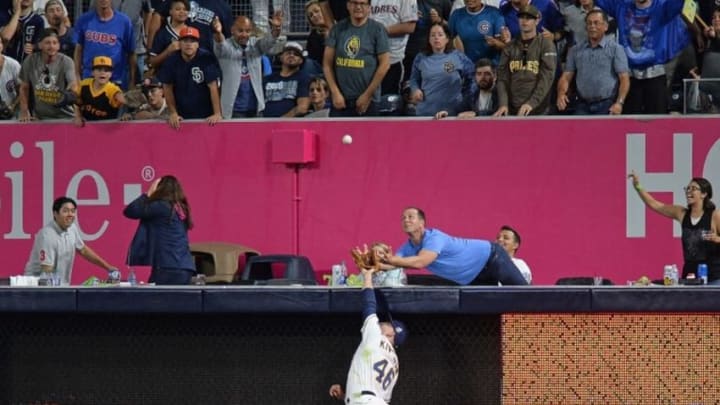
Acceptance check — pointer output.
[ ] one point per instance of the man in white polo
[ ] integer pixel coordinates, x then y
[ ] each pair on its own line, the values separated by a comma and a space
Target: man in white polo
56, 243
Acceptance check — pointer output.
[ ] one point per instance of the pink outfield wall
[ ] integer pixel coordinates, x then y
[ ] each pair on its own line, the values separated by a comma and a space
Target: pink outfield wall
561, 182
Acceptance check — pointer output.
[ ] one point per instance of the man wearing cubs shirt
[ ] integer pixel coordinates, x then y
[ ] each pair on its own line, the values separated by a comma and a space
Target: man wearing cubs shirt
56, 243
190, 81
105, 32
375, 368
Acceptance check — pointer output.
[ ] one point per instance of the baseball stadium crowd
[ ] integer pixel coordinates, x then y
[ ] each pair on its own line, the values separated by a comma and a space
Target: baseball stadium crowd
176, 59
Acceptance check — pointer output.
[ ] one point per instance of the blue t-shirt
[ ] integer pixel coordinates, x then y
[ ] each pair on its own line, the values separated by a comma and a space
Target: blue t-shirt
245, 100
30, 28
459, 259
113, 38
190, 80
472, 28
281, 93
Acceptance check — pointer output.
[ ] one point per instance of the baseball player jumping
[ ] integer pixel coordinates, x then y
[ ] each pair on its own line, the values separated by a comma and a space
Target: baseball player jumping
375, 368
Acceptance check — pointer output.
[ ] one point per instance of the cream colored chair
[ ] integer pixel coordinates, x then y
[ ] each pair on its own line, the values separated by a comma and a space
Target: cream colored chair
220, 261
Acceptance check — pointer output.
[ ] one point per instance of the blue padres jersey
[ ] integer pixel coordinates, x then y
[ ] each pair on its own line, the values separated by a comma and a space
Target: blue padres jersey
29, 29
190, 81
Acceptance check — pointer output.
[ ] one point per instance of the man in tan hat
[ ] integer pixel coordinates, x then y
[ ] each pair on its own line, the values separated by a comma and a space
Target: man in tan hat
526, 70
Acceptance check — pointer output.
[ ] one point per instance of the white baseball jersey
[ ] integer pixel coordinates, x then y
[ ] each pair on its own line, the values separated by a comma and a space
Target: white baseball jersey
391, 12
55, 247
374, 368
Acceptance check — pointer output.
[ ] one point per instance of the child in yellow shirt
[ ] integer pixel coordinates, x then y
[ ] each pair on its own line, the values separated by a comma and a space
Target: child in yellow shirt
98, 98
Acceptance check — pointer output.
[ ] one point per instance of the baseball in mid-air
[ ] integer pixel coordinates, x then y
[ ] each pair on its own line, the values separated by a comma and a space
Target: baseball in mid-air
347, 139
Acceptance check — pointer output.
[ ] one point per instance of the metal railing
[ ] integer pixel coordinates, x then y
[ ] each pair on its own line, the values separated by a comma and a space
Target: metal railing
298, 26
702, 101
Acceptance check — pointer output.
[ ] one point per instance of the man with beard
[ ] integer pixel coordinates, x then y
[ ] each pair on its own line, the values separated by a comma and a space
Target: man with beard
190, 79
603, 75
286, 92
20, 29
48, 74
484, 100
56, 18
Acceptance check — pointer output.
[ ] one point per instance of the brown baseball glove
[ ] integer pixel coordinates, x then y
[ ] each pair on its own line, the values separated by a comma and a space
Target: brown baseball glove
368, 259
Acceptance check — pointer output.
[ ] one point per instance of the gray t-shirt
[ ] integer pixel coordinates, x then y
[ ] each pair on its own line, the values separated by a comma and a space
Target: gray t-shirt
356, 52
55, 247
47, 83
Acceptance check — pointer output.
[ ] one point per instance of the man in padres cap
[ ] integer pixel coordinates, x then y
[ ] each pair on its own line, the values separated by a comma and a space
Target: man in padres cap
190, 79
527, 69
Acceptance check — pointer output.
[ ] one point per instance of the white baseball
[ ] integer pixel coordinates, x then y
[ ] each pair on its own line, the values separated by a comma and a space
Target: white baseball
347, 139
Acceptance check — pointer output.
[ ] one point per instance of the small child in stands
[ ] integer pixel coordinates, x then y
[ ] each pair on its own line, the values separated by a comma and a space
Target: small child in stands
146, 102
98, 98
390, 276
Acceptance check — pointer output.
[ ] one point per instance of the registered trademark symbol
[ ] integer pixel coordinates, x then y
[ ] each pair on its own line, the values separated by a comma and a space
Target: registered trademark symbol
148, 173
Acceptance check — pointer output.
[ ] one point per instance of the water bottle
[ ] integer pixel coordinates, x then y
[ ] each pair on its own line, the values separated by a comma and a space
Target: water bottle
667, 274
337, 275
675, 275
132, 278
702, 273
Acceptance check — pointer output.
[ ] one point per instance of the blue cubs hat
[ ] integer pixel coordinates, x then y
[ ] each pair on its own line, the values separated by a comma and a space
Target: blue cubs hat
401, 332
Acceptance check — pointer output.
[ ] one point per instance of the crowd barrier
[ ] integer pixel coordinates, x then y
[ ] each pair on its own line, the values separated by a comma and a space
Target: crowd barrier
562, 183
286, 345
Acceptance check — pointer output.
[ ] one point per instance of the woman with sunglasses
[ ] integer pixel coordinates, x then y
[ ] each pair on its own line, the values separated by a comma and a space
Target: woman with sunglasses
700, 224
